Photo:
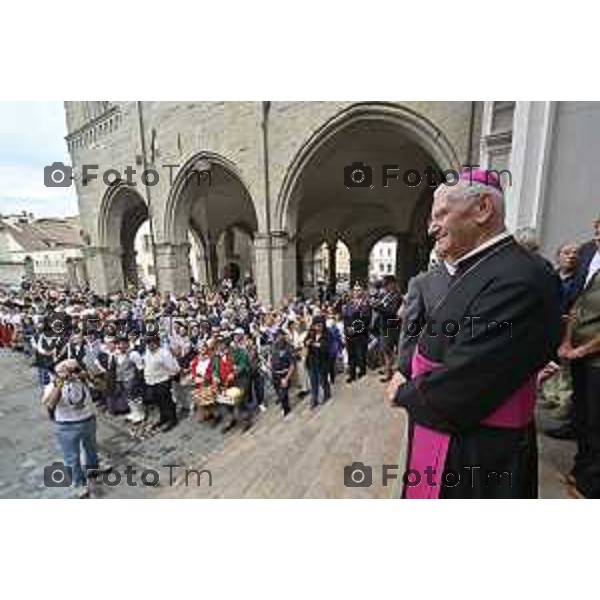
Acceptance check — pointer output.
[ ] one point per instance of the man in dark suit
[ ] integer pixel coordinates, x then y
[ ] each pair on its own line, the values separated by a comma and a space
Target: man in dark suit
425, 290
471, 398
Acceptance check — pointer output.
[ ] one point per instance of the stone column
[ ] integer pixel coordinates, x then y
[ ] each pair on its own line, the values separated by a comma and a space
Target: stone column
81, 273
173, 267
261, 272
105, 269
402, 252
213, 261
130, 271
332, 265
359, 263
284, 266
71, 273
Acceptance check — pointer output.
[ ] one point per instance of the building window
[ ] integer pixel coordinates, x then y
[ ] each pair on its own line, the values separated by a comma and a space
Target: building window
389, 252
389, 267
381, 267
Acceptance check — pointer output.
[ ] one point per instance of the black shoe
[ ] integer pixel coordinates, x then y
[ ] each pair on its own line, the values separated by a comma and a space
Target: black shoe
168, 426
350, 379
564, 432
362, 374
229, 427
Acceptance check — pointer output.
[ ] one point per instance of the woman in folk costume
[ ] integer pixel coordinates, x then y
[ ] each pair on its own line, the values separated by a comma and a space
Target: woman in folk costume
471, 396
124, 378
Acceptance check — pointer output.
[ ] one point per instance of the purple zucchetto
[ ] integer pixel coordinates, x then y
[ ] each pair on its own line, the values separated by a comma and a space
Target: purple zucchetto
484, 176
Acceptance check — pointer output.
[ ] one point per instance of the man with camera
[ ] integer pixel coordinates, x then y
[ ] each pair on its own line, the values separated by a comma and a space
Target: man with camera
69, 404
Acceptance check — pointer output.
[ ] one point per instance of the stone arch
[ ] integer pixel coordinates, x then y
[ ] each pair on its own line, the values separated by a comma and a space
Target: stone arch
178, 205
122, 212
120, 203
209, 195
414, 125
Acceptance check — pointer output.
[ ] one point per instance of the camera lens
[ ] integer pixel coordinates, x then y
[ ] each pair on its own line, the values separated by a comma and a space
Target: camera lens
61, 476
358, 176
57, 176
361, 476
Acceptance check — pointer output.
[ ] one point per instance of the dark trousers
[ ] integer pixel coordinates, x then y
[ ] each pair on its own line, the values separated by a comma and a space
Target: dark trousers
319, 378
357, 355
332, 368
283, 393
160, 395
586, 403
257, 388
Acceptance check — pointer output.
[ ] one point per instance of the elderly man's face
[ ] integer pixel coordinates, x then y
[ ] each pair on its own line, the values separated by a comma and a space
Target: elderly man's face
567, 256
454, 224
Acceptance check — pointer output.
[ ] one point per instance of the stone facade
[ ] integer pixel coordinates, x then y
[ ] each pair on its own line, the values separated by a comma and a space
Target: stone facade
272, 170
550, 149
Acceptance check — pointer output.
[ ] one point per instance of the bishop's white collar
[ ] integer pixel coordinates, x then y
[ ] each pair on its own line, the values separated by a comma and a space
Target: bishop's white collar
488, 243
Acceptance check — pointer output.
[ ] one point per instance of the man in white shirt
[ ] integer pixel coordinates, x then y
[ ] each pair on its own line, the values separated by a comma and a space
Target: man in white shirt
160, 367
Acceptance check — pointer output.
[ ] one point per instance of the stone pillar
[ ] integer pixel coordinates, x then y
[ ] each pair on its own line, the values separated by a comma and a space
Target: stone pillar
130, 270
81, 273
284, 266
71, 274
213, 262
173, 267
261, 272
105, 267
29, 268
332, 265
300, 269
402, 251
359, 263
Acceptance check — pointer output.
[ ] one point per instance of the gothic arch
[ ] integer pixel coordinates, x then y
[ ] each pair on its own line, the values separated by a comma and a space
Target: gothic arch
412, 124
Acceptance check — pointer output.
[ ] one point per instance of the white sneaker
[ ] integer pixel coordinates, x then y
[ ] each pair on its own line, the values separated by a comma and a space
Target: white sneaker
104, 467
80, 491
262, 408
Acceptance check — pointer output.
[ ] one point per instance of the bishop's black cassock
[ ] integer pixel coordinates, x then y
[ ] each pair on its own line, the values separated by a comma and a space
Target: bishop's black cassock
478, 370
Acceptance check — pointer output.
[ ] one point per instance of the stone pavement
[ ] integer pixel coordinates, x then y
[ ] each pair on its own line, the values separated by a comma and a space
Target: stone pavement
27, 443
302, 456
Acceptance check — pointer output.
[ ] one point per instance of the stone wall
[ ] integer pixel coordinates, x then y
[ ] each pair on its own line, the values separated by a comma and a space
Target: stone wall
178, 133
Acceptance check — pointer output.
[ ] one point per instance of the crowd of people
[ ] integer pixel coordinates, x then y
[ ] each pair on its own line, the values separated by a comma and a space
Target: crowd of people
219, 356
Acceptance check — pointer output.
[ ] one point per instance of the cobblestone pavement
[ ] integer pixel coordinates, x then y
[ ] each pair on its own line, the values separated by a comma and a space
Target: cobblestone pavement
27, 445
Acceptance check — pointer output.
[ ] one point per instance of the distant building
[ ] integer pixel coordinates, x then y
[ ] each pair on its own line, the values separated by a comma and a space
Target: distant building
49, 249
382, 261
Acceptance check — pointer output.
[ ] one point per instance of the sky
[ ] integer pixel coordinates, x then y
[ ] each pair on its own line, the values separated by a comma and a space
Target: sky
32, 136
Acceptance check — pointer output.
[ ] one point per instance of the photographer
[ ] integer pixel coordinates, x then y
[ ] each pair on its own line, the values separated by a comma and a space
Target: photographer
69, 404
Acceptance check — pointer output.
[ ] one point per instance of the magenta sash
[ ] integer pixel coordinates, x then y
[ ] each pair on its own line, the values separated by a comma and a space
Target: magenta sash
429, 448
